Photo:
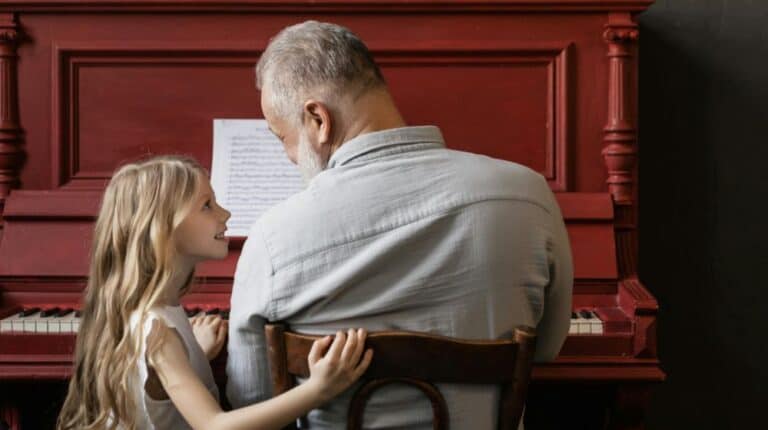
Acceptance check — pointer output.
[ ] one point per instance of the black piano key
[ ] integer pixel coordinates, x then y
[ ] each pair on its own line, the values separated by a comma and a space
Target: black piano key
28, 311
213, 311
45, 313
64, 312
192, 312
584, 314
573, 315
77, 314
225, 314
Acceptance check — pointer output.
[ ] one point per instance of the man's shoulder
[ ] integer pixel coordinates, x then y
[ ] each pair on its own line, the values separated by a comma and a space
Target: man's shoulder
503, 178
442, 172
490, 165
350, 201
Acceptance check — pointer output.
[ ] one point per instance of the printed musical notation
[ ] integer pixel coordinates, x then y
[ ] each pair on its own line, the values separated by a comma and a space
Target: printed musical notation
250, 172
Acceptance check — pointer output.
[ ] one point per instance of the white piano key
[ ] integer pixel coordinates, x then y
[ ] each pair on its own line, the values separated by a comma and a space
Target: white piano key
585, 322
65, 323
6, 325
18, 324
62, 324
54, 323
46, 323
596, 326
41, 325
584, 326
574, 327
30, 322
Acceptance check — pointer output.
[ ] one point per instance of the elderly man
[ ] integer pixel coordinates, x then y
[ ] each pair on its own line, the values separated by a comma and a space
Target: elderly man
393, 231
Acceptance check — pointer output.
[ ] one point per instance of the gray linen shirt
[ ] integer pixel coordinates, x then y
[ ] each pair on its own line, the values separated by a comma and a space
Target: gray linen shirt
400, 233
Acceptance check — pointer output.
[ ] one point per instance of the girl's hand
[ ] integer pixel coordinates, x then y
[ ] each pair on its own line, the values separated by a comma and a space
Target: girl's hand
341, 366
210, 332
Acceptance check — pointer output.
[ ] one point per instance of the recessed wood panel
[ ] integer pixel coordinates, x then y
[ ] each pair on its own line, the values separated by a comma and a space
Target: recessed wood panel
500, 124
506, 102
164, 107
139, 100
502, 101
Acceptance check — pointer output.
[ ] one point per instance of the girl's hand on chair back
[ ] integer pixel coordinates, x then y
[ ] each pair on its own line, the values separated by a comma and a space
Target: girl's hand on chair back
335, 370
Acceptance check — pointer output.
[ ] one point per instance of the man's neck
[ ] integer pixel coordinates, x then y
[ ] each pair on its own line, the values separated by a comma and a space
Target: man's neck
373, 111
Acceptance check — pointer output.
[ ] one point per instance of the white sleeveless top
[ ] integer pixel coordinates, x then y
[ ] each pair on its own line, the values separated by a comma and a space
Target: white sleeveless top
162, 414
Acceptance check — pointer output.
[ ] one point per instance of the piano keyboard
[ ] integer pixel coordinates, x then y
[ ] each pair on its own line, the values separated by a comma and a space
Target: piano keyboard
67, 320
585, 321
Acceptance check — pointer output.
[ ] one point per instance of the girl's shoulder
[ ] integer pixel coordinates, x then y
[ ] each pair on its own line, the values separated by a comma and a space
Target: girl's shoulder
165, 326
173, 316
164, 344
170, 316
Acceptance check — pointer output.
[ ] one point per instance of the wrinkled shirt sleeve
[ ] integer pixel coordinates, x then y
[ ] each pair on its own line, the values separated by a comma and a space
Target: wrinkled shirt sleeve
553, 327
248, 379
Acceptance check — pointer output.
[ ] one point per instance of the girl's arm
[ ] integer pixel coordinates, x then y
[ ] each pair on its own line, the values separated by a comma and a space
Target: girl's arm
330, 375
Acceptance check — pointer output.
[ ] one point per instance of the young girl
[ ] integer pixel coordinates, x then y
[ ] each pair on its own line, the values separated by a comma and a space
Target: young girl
139, 363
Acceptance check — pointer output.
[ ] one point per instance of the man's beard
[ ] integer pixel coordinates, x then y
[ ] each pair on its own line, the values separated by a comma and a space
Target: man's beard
309, 162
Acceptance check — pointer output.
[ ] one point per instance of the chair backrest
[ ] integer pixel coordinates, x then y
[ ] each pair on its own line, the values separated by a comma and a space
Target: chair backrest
419, 360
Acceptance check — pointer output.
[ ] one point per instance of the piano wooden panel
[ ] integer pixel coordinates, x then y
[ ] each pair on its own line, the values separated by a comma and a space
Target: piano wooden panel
511, 84
88, 84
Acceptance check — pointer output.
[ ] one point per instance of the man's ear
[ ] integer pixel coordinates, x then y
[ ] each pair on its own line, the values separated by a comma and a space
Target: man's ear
318, 121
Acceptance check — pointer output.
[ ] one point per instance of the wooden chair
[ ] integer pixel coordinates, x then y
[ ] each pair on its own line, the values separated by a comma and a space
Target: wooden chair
419, 360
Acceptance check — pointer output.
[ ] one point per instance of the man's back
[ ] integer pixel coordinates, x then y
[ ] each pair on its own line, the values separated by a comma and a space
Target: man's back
401, 233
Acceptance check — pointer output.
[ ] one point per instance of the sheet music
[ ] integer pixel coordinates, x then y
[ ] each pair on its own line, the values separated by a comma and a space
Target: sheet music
250, 172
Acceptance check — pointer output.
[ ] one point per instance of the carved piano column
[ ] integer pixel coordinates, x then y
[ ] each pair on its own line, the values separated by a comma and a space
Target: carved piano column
11, 153
619, 152
620, 136
620, 155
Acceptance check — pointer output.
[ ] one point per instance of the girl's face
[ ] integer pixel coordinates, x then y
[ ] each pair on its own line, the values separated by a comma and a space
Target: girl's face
200, 236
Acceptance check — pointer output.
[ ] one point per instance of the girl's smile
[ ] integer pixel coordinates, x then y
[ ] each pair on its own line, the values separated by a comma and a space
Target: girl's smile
201, 235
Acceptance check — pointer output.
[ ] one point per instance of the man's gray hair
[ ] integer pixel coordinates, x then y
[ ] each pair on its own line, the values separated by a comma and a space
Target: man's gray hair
326, 60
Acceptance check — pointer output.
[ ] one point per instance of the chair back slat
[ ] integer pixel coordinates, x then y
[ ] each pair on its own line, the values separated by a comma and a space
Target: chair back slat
282, 379
420, 359
512, 396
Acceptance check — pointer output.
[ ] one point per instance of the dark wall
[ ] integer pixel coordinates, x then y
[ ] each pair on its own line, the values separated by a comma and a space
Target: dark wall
704, 247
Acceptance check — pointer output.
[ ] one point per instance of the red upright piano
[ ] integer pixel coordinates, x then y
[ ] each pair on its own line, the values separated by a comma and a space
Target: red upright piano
88, 84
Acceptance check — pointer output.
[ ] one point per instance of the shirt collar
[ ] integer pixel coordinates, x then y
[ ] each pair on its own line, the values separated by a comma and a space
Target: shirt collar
379, 143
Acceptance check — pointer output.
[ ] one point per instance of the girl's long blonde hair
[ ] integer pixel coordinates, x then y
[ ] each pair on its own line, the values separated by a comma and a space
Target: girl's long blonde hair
132, 262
